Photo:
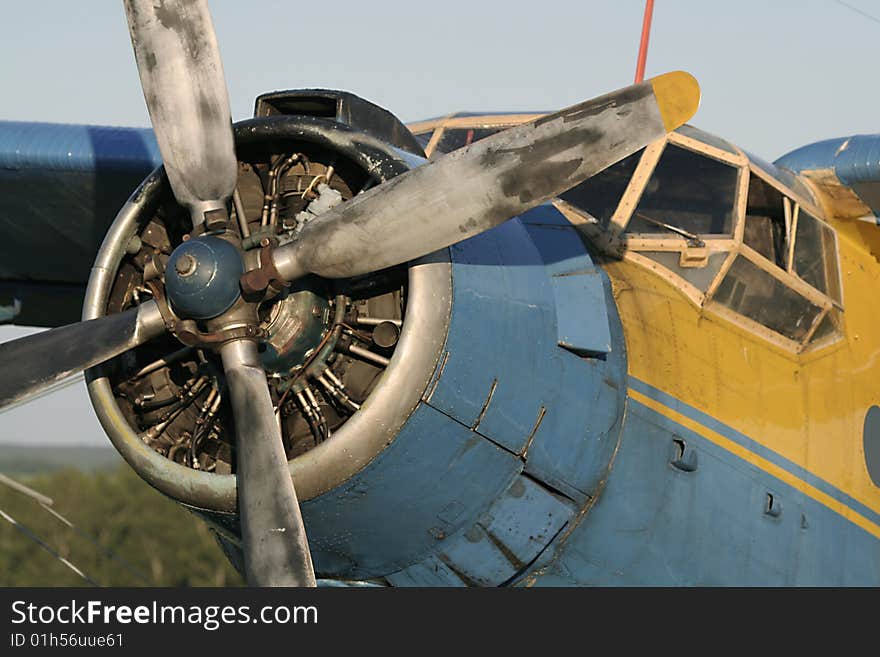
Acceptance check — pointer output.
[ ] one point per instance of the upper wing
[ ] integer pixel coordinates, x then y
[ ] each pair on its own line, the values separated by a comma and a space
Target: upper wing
846, 170
60, 189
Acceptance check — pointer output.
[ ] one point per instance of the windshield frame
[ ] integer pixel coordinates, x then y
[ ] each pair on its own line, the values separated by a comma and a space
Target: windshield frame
637, 247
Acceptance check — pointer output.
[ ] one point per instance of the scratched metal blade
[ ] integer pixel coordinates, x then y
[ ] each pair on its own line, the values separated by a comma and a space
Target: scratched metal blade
276, 552
475, 188
182, 77
34, 362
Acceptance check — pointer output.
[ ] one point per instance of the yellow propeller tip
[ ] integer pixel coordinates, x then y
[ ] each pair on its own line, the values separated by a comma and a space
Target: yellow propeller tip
678, 97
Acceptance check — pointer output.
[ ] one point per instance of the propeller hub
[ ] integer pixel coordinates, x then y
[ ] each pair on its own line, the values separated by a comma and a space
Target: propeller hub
202, 277
186, 265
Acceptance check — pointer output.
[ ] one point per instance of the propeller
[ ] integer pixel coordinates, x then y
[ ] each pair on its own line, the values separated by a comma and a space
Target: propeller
34, 362
475, 188
460, 195
274, 539
179, 63
182, 77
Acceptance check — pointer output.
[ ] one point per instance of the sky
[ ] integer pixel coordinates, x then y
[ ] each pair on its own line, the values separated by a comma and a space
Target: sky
775, 74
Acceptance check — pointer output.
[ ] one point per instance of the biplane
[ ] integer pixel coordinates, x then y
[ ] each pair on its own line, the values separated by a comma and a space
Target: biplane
591, 347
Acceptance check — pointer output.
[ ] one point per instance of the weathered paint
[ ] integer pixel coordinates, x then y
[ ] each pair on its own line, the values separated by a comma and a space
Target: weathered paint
655, 524
502, 453
757, 421
60, 187
809, 408
852, 163
435, 478
502, 544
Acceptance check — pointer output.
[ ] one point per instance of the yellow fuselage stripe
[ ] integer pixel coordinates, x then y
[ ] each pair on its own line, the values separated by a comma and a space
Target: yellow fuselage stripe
754, 459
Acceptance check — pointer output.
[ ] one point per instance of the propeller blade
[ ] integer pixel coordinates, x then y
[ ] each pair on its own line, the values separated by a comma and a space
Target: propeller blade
478, 187
35, 362
276, 551
179, 63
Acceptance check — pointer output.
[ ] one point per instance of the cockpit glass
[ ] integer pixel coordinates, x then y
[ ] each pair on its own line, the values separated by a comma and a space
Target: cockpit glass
765, 222
689, 191
423, 138
600, 195
826, 327
814, 255
750, 291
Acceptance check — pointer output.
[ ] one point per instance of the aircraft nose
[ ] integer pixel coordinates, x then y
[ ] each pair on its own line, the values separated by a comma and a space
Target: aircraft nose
515, 425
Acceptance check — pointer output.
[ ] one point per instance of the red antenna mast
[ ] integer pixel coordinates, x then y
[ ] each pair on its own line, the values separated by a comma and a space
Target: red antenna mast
643, 46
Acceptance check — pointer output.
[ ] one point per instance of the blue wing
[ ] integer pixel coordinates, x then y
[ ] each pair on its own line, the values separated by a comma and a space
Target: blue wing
60, 189
846, 169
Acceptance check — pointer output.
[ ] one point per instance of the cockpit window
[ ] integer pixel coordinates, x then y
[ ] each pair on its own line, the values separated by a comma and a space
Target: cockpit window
793, 243
600, 195
423, 138
815, 255
765, 228
749, 290
688, 191
732, 236
785, 241
827, 326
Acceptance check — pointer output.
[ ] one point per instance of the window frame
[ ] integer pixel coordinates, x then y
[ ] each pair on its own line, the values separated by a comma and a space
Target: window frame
646, 168
836, 249
632, 247
478, 121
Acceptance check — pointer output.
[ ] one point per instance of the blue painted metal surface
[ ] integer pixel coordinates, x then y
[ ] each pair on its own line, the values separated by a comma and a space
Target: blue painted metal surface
757, 448
513, 436
433, 479
60, 188
504, 282
581, 328
573, 446
502, 327
502, 544
68, 147
656, 524
202, 277
431, 571
574, 443
854, 160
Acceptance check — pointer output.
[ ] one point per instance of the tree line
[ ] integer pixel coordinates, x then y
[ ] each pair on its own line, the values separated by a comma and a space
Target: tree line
125, 534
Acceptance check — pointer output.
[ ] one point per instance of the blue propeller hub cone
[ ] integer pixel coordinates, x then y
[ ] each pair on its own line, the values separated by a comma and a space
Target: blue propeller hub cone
202, 277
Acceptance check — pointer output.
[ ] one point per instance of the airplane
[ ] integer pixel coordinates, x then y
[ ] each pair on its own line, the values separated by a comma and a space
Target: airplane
592, 347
